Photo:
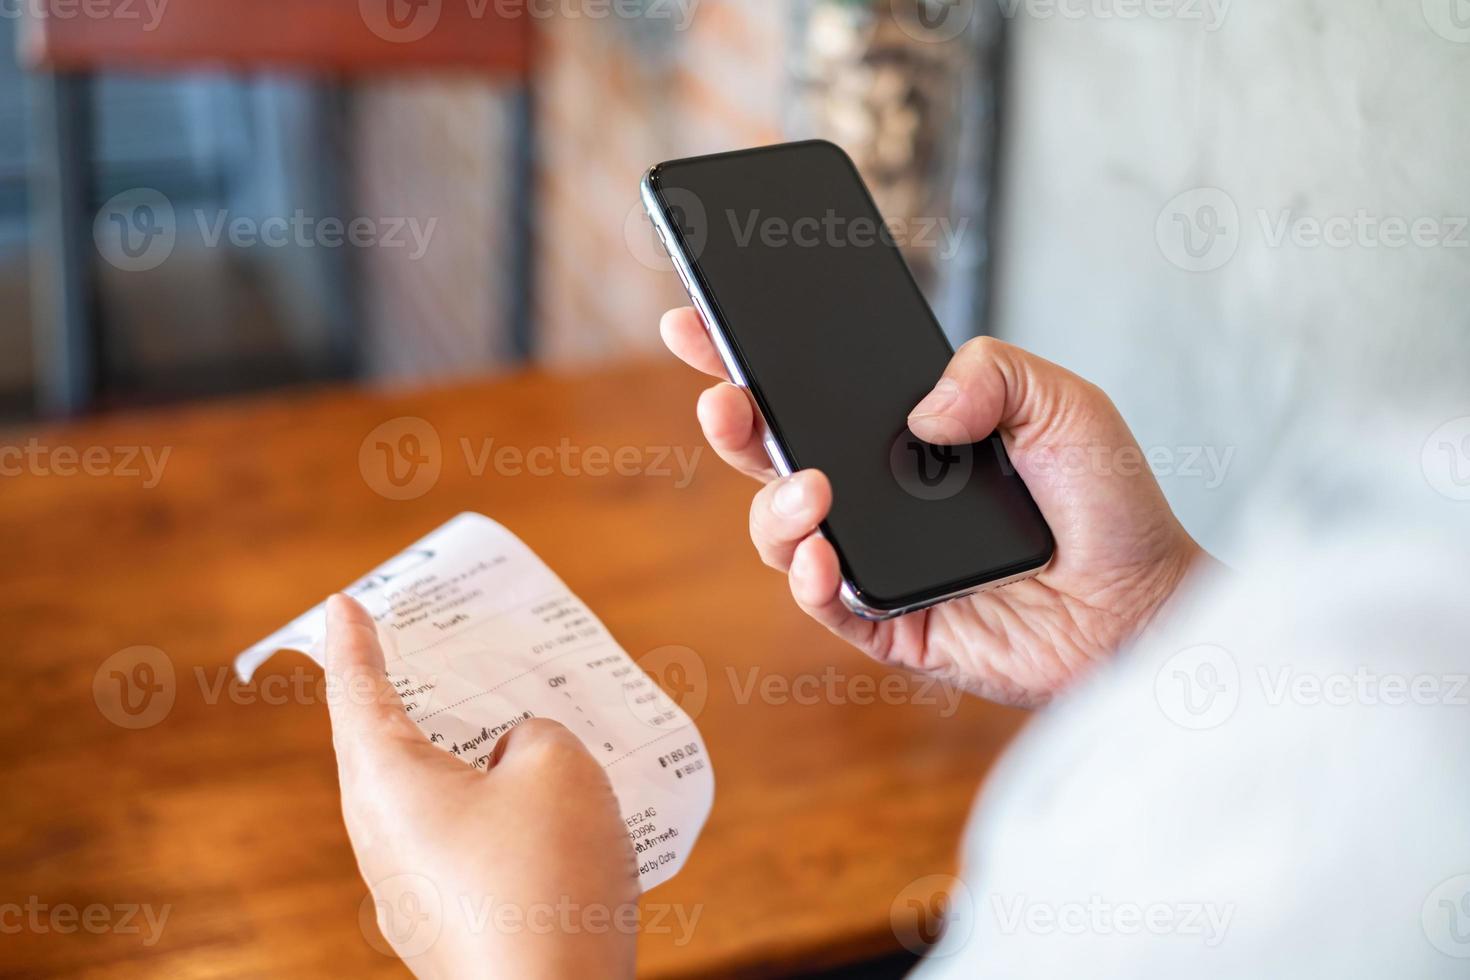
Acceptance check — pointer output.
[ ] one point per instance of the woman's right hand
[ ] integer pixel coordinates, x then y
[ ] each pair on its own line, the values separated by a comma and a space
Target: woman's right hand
1120, 552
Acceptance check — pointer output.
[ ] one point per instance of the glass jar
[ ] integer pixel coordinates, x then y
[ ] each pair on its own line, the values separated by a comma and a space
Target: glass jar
908, 89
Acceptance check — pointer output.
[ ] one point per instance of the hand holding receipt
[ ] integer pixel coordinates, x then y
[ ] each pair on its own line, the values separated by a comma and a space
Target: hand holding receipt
443, 684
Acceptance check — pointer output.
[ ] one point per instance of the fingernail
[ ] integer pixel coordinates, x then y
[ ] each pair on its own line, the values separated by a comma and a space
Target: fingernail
934, 403
791, 498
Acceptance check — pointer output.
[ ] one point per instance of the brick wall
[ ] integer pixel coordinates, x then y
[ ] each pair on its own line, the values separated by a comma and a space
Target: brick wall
610, 105
612, 98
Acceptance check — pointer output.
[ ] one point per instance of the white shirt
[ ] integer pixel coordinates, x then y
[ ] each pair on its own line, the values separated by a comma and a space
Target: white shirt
1275, 781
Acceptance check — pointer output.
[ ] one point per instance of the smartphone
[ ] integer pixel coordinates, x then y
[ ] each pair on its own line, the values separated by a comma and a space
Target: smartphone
814, 311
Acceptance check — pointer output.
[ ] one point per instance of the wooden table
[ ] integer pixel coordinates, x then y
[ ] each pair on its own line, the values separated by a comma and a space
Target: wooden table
225, 810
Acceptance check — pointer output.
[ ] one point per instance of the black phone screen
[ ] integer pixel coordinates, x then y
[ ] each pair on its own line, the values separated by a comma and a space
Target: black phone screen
838, 345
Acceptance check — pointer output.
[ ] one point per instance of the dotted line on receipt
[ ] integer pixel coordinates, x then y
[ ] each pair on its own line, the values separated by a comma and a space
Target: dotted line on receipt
632, 752
511, 680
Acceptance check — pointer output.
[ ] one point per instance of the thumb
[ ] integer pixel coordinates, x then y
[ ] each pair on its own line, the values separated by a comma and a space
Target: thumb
367, 714
536, 739
991, 385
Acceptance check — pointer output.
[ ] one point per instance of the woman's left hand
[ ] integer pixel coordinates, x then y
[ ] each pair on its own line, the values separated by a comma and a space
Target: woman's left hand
524, 870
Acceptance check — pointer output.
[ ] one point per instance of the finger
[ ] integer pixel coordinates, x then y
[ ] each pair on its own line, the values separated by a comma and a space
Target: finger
816, 581
785, 512
532, 739
562, 793
729, 423
990, 385
367, 714
546, 753
685, 335
1062, 435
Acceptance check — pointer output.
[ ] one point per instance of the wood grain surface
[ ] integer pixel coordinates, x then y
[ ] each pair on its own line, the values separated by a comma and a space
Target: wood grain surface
223, 810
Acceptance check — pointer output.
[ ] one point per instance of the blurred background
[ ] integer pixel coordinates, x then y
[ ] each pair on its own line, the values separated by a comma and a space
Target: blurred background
490, 155
510, 135
1147, 193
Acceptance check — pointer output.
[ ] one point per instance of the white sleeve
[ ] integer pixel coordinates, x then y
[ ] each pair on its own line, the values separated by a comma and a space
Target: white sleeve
1274, 783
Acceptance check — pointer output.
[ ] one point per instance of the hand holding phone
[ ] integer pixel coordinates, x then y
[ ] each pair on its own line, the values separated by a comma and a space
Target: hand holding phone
1120, 552
812, 308
915, 509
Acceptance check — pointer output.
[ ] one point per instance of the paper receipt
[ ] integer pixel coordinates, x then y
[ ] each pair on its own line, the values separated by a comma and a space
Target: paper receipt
480, 635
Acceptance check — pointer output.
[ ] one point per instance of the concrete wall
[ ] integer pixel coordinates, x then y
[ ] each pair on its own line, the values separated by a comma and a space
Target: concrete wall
1296, 111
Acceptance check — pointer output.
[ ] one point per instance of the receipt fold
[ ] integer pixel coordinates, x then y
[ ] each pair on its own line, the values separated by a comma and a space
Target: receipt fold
479, 635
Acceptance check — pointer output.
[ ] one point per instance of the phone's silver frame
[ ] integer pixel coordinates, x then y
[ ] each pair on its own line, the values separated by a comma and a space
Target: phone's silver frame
716, 330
